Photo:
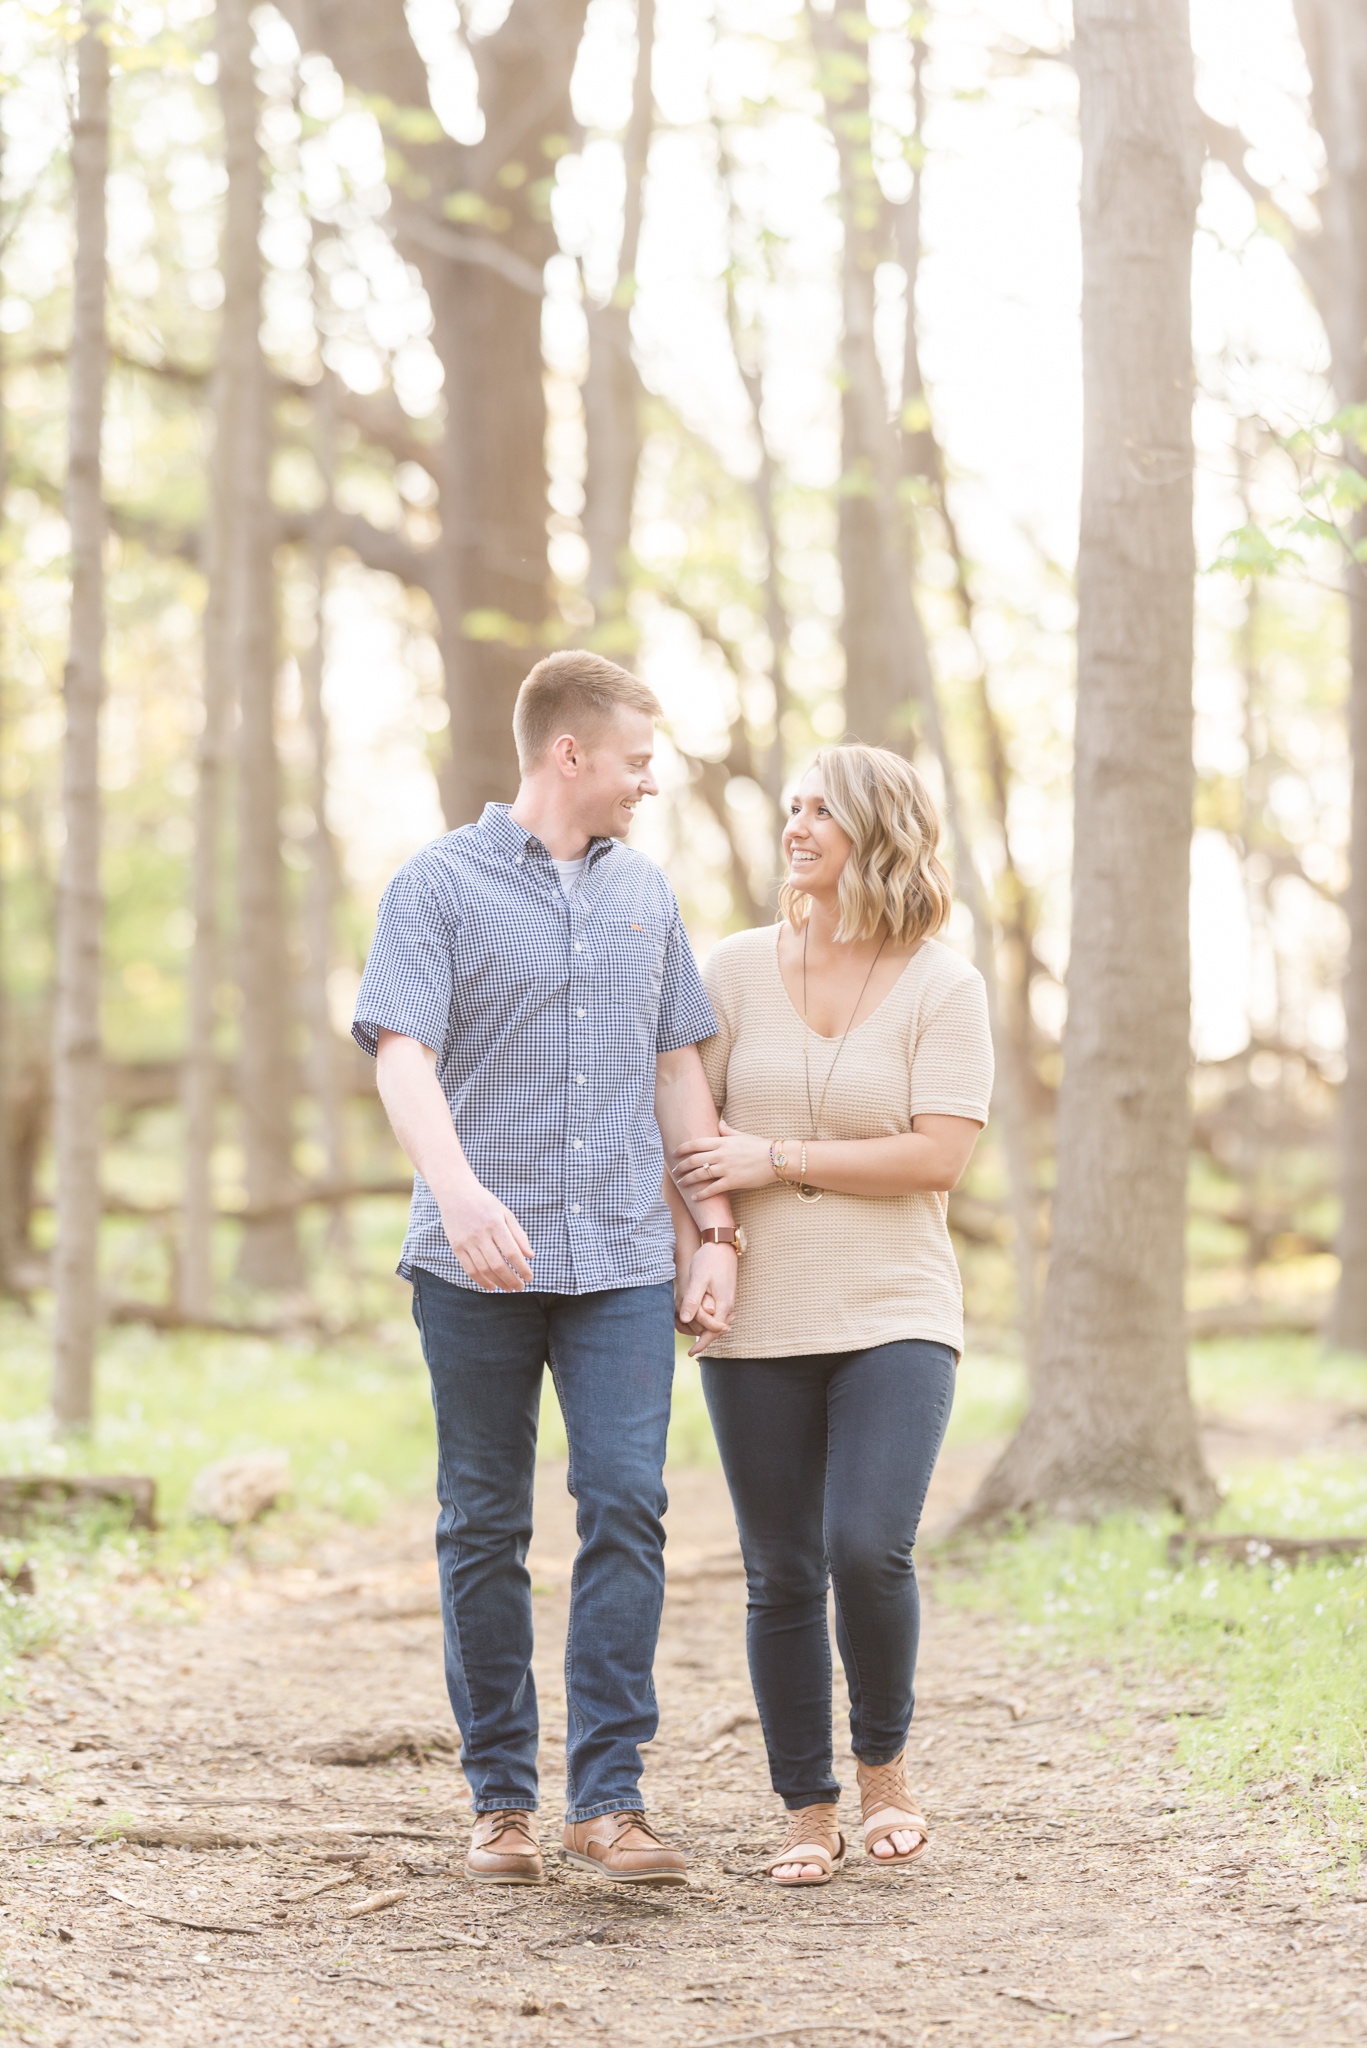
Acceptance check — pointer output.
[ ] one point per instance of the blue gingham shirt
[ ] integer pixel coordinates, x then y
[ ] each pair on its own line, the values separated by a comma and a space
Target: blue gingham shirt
546, 1013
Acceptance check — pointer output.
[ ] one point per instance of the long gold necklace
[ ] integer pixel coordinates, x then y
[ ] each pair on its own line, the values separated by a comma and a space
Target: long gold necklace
814, 1117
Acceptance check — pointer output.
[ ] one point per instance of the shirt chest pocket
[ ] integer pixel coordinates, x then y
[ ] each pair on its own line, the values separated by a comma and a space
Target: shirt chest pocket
631, 958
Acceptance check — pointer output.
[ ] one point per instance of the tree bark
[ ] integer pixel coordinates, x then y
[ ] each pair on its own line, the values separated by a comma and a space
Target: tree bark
8, 1180
1334, 35
876, 710
484, 282
1111, 1422
199, 1075
778, 624
320, 905
269, 1254
612, 388
79, 1070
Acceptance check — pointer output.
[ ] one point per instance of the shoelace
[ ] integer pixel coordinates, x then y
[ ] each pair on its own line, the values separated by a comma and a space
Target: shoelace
510, 1823
884, 1785
627, 1821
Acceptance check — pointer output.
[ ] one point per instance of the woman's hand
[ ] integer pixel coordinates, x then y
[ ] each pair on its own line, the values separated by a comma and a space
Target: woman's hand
717, 1166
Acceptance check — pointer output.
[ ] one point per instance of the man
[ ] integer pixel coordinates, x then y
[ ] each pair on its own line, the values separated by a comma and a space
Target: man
535, 1010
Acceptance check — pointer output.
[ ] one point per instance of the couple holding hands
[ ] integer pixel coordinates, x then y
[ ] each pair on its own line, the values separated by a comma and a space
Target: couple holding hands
609, 1146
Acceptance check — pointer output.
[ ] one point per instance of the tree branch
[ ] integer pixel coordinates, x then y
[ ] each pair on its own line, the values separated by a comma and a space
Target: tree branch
1228, 147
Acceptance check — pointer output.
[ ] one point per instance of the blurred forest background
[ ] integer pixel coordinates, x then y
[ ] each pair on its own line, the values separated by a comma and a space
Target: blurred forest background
740, 342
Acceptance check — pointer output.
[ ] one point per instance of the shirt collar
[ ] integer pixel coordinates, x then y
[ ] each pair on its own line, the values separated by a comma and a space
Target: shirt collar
498, 824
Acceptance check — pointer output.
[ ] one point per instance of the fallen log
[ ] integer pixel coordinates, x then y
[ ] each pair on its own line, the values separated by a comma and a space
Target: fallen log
33, 1496
1186, 1546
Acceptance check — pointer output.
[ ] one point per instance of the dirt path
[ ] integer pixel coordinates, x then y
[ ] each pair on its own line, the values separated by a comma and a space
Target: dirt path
1074, 1892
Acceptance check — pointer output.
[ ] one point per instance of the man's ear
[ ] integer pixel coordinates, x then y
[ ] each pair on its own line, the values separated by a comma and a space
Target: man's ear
566, 754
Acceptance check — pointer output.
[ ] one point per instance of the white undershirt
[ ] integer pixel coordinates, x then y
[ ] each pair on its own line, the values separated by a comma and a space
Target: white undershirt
567, 872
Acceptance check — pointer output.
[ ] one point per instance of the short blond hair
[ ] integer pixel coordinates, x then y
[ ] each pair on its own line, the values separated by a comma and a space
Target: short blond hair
894, 873
574, 692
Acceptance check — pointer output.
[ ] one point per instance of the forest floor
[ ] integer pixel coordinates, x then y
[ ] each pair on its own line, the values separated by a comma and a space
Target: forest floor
177, 1868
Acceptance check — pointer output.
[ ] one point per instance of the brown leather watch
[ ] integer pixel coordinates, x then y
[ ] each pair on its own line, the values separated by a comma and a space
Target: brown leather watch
731, 1234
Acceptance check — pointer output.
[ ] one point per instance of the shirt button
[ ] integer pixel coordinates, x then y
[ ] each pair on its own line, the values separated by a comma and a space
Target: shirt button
580, 1013
579, 1080
574, 1208
577, 947
579, 1144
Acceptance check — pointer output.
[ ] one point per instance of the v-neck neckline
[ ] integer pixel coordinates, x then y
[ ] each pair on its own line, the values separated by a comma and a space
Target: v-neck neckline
841, 1036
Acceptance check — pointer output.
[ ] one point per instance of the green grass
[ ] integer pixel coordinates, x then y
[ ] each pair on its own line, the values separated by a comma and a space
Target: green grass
1275, 1661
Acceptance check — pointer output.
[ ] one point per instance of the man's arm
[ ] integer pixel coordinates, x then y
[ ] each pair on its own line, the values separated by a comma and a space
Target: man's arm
684, 1110
486, 1238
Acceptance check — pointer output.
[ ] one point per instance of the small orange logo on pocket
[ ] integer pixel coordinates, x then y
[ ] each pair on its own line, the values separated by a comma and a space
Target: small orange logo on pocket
636, 927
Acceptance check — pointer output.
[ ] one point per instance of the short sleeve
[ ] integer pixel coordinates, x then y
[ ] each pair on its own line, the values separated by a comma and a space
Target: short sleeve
952, 1063
685, 1015
715, 1052
409, 979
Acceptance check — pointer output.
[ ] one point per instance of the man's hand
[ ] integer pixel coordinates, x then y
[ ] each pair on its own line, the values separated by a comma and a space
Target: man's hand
487, 1238
708, 1302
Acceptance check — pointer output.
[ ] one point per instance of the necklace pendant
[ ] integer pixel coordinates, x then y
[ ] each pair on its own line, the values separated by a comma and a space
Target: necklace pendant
809, 1194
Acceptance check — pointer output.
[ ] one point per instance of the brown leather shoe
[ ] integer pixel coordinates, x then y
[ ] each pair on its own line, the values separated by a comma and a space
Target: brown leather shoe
504, 1850
623, 1848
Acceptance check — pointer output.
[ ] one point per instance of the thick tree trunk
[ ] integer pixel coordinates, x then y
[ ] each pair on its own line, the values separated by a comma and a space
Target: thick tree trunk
612, 388
78, 1054
1334, 34
484, 282
266, 1064
1111, 1421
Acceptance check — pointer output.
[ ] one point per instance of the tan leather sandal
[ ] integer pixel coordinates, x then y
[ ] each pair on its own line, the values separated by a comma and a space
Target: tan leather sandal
885, 1806
812, 1837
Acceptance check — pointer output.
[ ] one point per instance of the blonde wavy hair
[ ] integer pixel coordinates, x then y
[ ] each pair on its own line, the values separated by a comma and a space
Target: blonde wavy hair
893, 872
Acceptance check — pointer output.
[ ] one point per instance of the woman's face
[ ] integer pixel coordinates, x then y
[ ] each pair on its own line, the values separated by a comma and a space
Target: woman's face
816, 847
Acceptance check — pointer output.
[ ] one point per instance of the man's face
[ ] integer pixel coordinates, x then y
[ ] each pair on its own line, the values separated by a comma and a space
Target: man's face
614, 774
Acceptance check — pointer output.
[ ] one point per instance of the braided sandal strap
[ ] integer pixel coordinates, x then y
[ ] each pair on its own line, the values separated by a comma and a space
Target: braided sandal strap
812, 1837
884, 1786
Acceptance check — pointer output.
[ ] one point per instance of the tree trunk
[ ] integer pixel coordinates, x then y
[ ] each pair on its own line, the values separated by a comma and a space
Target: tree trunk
77, 1033
1334, 34
199, 1078
777, 622
876, 710
324, 868
612, 388
8, 1061
1111, 1422
484, 282
270, 1250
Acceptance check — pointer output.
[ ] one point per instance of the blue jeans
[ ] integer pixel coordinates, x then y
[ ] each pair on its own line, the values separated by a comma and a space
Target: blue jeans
611, 1356
828, 1457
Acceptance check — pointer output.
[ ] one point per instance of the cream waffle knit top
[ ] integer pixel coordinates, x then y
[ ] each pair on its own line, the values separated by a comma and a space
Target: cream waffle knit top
848, 1271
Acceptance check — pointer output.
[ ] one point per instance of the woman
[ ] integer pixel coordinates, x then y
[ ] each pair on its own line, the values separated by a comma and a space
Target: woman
852, 1068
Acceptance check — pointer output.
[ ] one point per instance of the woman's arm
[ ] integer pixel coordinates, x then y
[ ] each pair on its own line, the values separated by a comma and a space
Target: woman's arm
930, 1158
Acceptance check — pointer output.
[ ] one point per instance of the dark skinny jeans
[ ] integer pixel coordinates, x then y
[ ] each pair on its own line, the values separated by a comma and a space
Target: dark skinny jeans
828, 1457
